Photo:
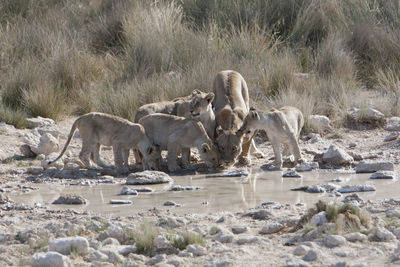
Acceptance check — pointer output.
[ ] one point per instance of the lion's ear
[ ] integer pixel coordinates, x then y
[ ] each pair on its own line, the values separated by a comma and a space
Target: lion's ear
252, 109
254, 115
205, 148
195, 92
219, 130
210, 97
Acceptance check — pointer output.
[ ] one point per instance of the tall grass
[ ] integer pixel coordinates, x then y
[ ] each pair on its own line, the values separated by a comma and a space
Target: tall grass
69, 57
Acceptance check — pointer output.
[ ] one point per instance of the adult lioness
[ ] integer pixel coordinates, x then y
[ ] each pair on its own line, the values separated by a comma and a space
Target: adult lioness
282, 126
175, 133
231, 104
98, 129
195, 106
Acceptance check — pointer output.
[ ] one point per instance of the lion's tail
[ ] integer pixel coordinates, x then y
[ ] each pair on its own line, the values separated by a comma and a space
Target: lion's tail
71, 133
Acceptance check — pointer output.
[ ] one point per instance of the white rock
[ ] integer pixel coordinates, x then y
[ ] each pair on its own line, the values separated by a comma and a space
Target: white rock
148, 177
306, 166
271, 228
392, 213
224, 237
38, 121
47, 145
69, 244
331, 241
292, 174
365, 167
97, 256
393, 124
319, 218
356, 188
319, 123
58, 164
175, 261
381, 234
128, 191
120, 201
112, 253
356, 237
110, 241
337, 156
300, 250
196, 250
315, 189
50, 259
370, 115
247, 240
49, 129
383, 175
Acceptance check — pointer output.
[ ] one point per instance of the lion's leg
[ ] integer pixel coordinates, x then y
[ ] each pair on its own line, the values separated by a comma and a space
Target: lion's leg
125, 157
294, 148
255, 151
244, 157
185, 157
118, 157
95, 155
85, 153
171, 158
276, 146
138, 156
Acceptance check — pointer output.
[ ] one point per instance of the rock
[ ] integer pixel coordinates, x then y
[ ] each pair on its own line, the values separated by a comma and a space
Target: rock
6, 128
306, 166
380, 234
367, 167
356, 156
311, 255
183, 188
319, 123
234, 173
175, 261
223, 237
49, 129
170, 222
156, 259
148, 177
271, 228
391, 137
259, 214
38, 122
120, 201
393, 124
50, 259
300, 250
340, 264
110, 241
58, 164
144, 189
356, 237
128, 191
97, 256
356, 188
353, 198
169, 203
224, 263
319, 218
370, 116
26, 151
196, 250
34, 170
47, 145
70, 200
162, 245
292, 174
113, 253
332, 241
247, 240
69, 244
392, 213
383, 175
239, 229
314, 138
336, 157
315, 189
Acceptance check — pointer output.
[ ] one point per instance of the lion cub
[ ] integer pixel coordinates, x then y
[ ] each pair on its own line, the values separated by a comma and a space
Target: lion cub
98, 129
282, 126
175, 133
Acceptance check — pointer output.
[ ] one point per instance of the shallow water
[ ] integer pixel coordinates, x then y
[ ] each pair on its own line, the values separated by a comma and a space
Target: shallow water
216, 194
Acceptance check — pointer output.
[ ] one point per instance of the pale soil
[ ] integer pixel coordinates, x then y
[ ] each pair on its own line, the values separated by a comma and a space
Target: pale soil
38, 223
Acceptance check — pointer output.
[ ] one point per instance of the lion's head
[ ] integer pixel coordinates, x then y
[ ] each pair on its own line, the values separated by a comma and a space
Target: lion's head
200, 102
229, 145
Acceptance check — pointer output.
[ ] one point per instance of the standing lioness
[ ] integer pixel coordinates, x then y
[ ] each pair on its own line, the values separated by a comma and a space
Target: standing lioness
231, 105
98, 129
282, 126
175, 133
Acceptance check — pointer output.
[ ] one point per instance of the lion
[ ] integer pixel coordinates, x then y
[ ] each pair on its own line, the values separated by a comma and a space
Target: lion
282, 126
197, 106
231, 104
175, 133
98, 129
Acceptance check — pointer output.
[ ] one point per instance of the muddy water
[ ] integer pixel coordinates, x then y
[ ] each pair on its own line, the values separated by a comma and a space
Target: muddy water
216, 194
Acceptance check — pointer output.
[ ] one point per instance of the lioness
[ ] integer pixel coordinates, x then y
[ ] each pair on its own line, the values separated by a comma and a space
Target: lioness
195, 106
282, 126
98, 129
231, 105
175, 133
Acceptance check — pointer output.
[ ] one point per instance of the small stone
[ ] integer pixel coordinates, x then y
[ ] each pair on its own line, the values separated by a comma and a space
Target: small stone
383, 175
367, 167
356, 188
239, 229
148, 177
356, 237
128, 191
175, 261
169, 203
353, 198
310, 256
97, 256
337, 156
49, 259
340, 264
247, 240
68, 244
315, 189
352, 145
331, 241
380, 234
26, 151
300, 250
224, 263
223, 237
220, 219
144, 189
156, 259
271, 228
196, 250
162, 245
259, 214
319, 123
38, 122
292, 174
306, 166
120, 201
177, 188
110, 241
34, 170
391, 137
319, 218
70, 200
391, 213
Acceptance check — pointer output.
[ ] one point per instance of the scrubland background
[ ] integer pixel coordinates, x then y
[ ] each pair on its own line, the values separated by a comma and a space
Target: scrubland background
59, 58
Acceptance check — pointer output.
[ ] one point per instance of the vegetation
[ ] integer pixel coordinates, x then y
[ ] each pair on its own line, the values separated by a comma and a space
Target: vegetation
72, 57
144, 238
187, 238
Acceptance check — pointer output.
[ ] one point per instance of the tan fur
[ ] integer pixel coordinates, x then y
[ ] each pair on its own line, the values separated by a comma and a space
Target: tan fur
98, 129
282, 126
175, 133
231, 105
